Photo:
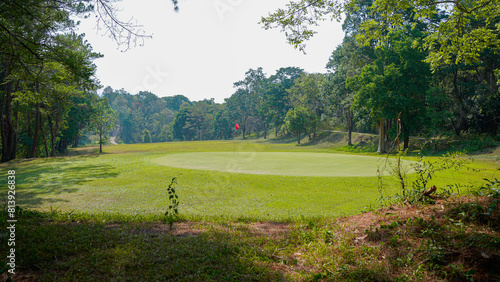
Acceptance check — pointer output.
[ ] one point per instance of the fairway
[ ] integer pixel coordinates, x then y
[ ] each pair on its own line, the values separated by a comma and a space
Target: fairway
278, 163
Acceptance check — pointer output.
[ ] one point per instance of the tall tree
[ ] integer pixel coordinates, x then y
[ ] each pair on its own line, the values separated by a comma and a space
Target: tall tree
255, 84
241, 107
306, 93
395, 84
277, 99
33, 33
451, 38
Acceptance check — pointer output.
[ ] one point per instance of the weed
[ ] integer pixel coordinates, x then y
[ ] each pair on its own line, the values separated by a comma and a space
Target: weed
172, 214
425, 171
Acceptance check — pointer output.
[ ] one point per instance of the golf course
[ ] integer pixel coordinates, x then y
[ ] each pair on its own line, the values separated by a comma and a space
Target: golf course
256, 210
257, 180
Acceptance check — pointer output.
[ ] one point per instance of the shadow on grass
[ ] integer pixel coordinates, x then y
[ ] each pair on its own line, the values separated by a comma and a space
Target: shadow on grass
37, 180
327, 137
91, 150
89, 251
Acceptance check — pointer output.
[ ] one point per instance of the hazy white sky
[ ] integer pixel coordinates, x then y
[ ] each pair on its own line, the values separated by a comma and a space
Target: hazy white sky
204, 48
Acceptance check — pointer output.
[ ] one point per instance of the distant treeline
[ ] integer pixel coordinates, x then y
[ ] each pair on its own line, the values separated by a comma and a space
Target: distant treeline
429, 71
418, 75
290, 101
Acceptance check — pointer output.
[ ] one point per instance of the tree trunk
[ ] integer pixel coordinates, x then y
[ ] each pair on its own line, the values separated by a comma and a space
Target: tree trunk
75, 141
381, 136
298, 137
100, 141
44, 136
37, 130
53, 132
46, 148
14, 125
406, 142
7, 127
265, 131
349, 128
458, 125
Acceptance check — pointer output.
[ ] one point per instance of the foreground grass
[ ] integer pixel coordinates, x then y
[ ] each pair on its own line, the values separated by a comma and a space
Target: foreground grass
449, 240
99, 217
127, 181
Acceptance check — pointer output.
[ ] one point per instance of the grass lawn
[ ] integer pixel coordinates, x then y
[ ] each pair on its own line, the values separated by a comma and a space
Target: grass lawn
101, 218
129, 180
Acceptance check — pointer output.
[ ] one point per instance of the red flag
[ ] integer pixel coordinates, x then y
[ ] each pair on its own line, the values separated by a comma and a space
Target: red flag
237, 126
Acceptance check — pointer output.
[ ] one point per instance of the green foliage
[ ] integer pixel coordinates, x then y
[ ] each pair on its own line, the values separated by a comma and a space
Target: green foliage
425, 171
299, 120
172, 213
486, 212
277, 96
473, 143
490, 189
144, 111
146, 136
45, 69
102, 121
385, 60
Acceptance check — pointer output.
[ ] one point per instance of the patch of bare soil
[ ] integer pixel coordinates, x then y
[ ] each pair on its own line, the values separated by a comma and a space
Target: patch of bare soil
193, 229
454, 239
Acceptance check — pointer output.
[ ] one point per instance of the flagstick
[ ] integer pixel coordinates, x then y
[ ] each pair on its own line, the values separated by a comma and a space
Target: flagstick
236, 126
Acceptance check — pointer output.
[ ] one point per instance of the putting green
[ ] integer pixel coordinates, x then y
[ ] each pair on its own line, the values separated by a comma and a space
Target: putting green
278, 163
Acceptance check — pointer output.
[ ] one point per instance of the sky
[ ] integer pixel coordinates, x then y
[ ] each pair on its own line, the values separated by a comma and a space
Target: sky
204, 48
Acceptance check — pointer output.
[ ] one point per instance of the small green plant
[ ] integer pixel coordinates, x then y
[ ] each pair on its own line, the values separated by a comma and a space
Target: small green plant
425, 171
172, 214
490, 189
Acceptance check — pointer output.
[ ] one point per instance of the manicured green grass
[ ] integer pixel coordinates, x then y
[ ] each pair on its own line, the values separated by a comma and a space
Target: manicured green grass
278, 163
126, 180
102, 221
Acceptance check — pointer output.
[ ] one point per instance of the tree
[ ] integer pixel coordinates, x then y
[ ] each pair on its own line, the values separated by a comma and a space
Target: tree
78, 117
103, 120
146, 136
306, 92
255, 84
223, 127
179, 125
298, 121
395, 84
450, 36
174, 102
34, 34
277, 101
346, 61
241, 108
460, 39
